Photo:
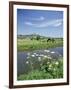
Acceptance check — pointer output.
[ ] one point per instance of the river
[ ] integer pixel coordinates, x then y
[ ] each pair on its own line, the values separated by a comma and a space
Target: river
22, 58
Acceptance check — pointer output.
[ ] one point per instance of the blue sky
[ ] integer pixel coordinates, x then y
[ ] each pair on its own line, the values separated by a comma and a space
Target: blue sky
43, 22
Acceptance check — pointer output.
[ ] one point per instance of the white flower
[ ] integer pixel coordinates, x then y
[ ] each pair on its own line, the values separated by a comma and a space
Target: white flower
33, 55
54, 69
56, 63
48, 62
47, 51
52, 52
50, 65
28, 54
37, 54
39, 58
27, 62
45, 56
49, 58
49, 68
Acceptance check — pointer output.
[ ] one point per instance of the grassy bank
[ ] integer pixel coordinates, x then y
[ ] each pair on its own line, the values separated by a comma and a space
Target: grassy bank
28, 44
50, 69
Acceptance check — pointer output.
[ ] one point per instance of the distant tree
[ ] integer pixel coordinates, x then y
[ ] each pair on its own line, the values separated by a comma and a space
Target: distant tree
31, 38
20, 35
37, 37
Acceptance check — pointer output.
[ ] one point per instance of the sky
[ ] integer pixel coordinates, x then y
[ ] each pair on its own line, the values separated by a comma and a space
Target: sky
43, 22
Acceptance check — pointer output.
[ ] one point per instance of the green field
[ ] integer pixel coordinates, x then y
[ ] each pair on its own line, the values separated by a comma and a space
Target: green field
28, 44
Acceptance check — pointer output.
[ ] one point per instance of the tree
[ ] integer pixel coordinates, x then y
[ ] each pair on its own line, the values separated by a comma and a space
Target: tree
37, 37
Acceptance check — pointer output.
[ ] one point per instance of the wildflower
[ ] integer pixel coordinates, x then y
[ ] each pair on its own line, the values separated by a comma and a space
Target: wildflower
47, 51
56, 63
28, 54
49, 58
37, 54
52, 52
49, 68
50, 65
54, 69
33, 55
27, 62
48, 62
45, 56
39, 58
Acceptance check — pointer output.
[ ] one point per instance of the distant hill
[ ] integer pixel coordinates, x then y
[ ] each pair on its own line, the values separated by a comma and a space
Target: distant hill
29, 36
34, 36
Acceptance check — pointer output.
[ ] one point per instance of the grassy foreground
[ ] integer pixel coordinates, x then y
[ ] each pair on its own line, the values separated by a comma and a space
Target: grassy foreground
48, 70
28, 44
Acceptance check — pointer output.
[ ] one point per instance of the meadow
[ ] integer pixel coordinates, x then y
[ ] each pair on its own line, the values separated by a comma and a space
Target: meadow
49, 68
35, 44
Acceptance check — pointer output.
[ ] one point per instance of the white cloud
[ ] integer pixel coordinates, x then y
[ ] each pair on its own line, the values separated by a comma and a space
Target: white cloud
41, 18
58, 24
29, 23
53, 23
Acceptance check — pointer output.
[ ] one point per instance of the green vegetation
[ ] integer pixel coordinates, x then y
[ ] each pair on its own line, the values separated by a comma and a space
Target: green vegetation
48, 70
37, 42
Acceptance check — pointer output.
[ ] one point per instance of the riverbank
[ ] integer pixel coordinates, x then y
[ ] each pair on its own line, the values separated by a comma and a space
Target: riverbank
29, 45
51, 70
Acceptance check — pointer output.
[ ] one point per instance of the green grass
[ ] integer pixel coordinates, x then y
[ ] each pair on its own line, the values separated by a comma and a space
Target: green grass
27, 44
51, 70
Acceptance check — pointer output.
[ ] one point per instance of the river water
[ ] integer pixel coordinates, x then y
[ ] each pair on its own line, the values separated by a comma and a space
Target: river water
23, 65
